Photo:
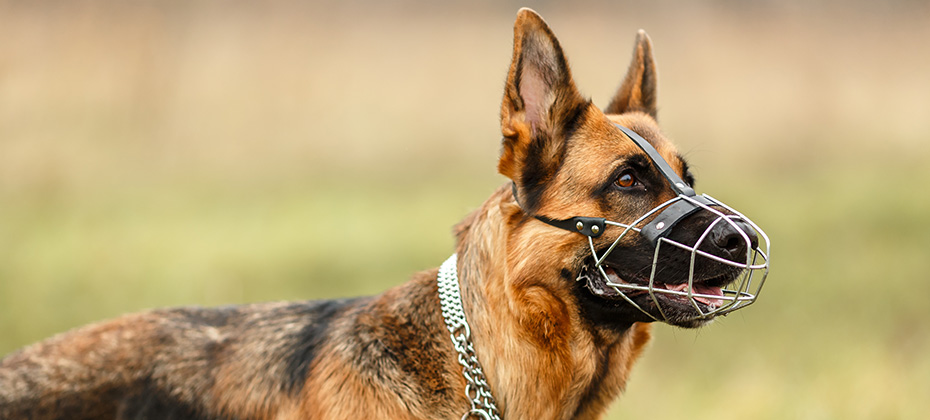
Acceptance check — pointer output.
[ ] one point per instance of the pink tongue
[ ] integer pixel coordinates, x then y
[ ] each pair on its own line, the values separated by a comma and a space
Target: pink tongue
700, 289
708, 290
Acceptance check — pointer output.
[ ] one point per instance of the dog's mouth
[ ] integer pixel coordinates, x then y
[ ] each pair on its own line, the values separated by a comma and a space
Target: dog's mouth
672, 299
705, 292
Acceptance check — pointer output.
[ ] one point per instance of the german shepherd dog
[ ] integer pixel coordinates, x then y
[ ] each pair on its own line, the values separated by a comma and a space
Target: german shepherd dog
556, 317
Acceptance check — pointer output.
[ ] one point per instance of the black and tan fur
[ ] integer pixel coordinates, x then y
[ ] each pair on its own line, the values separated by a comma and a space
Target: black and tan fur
550, 348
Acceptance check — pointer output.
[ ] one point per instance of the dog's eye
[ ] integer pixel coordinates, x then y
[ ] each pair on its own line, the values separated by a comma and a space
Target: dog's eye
625, 180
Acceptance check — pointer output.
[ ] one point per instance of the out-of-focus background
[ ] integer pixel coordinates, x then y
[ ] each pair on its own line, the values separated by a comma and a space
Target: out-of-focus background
177, 152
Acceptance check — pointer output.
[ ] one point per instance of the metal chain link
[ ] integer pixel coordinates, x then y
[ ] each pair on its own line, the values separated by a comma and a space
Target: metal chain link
476, 388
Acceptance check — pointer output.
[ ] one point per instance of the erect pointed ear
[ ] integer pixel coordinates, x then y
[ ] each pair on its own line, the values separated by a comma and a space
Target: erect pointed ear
540, 106
638, 91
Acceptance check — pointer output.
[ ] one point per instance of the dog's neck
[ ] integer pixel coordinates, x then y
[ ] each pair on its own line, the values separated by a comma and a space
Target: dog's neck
518, 302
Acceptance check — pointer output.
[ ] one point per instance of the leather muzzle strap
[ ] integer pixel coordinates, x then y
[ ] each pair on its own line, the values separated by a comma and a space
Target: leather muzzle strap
678, 185
662, 224
589, 226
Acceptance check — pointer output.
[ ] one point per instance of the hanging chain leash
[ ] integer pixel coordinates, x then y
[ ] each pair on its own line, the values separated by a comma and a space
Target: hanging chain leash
476, 385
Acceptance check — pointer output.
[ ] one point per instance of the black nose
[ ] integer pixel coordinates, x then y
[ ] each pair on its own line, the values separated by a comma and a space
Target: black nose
733, 238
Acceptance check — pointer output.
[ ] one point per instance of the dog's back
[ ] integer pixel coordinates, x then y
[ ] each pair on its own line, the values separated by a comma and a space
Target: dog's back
293, 360
152, 362
165, 363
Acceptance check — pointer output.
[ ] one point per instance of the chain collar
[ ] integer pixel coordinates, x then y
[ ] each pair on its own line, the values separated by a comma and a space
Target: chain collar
476, 388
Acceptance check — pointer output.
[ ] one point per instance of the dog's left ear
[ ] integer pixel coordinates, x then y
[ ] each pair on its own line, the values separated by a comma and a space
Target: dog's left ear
541, 104
638, 90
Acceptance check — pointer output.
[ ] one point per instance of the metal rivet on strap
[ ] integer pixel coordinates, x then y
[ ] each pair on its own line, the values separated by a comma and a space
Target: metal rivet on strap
579, 226
595, 229
660, 225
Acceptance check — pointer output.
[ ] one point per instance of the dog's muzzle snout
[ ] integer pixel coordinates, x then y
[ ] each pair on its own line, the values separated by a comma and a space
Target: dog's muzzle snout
730, 244
723, 266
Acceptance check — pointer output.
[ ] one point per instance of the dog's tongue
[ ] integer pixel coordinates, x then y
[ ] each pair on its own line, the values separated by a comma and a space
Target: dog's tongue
701, 289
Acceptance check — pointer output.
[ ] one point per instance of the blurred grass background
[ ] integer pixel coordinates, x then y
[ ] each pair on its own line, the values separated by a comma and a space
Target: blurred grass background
164, 153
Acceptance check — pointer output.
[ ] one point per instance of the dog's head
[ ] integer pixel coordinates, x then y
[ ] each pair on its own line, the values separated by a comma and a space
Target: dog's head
606, 200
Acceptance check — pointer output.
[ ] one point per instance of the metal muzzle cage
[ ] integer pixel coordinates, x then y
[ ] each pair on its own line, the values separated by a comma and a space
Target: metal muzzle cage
752, 264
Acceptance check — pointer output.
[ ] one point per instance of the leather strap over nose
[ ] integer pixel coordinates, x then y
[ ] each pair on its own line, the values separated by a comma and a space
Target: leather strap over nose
662, 224
678, 185
668, 218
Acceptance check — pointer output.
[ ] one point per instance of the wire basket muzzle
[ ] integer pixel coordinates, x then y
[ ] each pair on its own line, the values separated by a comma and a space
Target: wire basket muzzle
748, 258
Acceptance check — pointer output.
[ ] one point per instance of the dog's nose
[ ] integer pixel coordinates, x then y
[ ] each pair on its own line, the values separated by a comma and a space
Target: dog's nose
733, 238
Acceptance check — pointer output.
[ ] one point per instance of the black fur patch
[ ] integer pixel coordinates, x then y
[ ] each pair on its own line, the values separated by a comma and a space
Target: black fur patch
214, 317
593, 392
541, 164
537, 170
152, 403
308, 341
66, 406
615, 315
573, 118
410, 346
405, 348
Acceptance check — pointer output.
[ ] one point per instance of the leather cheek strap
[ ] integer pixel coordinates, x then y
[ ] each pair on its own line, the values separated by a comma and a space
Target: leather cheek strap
588, 226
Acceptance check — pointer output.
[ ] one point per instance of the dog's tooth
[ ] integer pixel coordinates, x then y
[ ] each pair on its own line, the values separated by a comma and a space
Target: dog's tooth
614, 278
683, 287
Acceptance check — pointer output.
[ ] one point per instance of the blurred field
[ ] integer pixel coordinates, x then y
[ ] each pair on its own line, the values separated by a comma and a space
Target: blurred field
174, 153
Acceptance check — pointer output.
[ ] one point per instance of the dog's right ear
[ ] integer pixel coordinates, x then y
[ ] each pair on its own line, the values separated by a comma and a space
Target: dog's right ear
638, 90
541, 104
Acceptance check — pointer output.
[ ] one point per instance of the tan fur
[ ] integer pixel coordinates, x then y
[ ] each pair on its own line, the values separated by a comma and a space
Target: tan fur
530, 339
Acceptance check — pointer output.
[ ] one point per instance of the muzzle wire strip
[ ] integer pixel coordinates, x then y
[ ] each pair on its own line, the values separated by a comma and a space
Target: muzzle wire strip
600, 268
731, 299
632, 226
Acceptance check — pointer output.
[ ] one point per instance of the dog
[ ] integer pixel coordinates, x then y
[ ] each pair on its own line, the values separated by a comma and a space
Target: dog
545, 307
